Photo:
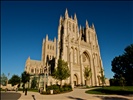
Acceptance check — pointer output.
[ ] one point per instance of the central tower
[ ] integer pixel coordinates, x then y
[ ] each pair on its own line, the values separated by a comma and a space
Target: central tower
79, 47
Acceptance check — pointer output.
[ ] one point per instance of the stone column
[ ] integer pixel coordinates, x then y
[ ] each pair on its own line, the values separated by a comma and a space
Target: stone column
96, 79
71, 70
81, 68
93, 72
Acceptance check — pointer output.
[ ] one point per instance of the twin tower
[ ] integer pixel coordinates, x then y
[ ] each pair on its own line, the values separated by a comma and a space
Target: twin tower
77, 46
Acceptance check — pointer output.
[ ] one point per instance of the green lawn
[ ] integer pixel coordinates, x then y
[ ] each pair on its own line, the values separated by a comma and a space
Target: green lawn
112, 90
33, 90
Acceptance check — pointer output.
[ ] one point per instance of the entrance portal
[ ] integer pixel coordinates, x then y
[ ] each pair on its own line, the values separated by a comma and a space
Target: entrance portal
75, 80
86, 64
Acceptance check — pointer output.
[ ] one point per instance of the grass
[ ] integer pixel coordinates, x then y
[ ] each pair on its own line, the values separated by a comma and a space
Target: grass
33, 90
112, 90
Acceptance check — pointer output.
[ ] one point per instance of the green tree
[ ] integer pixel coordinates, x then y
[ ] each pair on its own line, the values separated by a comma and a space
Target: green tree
114, 82
3, 79
25, 77
62, 71
33, 82
15, 79
87, 74
122, 65
122, 81
102, 77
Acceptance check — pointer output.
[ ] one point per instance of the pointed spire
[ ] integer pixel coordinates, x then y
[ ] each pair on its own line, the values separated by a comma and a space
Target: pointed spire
93, 27
66, 13
60, 19
47, 37
87, 24
71, 17
54, 39
29, 58
80, 27
43, 41
75, 17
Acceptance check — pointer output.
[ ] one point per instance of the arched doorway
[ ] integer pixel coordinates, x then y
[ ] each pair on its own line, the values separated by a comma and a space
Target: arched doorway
86, 64
86, 59
75, 80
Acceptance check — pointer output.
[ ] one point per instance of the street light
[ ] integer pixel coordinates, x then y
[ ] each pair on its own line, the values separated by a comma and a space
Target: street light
45, 70
7, 80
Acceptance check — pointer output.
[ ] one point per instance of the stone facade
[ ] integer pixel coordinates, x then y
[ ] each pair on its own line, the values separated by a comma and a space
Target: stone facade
76, 45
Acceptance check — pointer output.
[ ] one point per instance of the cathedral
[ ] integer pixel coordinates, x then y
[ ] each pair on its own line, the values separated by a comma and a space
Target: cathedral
78, 46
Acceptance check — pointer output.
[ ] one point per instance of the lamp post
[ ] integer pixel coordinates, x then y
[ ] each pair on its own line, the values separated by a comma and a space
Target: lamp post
45, 70
7, 79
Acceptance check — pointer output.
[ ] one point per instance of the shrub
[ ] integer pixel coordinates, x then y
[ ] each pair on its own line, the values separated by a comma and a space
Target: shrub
43, 92
48, 92
61, 89
49, 88
56, 91
55, 87
67, 87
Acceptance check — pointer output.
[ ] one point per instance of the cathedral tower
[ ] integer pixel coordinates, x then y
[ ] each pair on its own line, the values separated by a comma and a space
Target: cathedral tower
79, 47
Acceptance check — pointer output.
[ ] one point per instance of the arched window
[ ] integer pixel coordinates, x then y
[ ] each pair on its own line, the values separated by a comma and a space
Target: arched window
72, 54
73, 28
32, 70
69, 26
76, 56
48, 46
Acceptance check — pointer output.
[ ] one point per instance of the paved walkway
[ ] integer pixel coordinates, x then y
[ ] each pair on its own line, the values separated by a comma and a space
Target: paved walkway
76, 94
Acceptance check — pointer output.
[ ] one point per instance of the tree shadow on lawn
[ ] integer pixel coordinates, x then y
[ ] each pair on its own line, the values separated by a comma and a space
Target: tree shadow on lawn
75, 98
117, 92
111, 98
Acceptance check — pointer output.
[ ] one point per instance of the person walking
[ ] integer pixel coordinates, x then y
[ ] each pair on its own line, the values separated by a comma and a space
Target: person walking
26, 89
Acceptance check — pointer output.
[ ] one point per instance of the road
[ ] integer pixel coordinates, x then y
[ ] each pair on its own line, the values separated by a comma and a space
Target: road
76, 94
10, 95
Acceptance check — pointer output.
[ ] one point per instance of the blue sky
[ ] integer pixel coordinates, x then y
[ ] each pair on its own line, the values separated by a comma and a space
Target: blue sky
24, 24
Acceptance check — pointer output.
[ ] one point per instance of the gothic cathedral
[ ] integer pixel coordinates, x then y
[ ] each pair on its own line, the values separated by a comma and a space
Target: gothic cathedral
77, 46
